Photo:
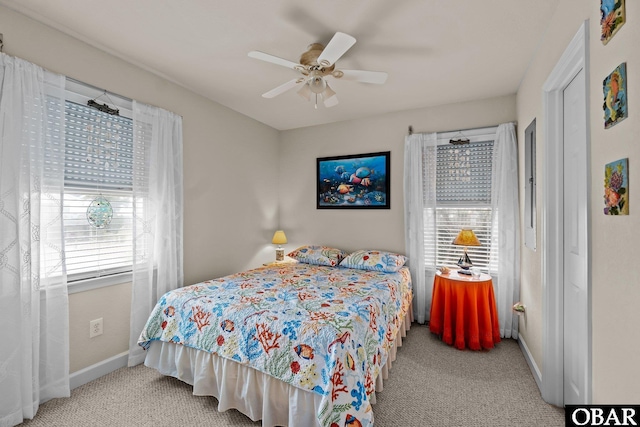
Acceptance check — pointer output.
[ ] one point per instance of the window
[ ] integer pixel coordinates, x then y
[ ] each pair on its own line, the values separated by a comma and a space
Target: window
463, 200
98, 163
450, 220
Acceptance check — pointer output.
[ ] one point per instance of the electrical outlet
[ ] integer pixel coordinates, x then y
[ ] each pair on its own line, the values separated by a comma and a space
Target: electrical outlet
95, 328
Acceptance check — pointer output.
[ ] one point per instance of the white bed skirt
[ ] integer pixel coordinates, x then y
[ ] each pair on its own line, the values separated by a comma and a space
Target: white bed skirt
259, 396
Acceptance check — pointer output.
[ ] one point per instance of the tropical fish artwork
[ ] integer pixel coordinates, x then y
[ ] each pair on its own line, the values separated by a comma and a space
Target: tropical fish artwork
615, 96
354, 181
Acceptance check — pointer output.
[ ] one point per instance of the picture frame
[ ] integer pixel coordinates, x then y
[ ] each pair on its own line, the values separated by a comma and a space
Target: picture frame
616, 187
614, 87
358, 181
612, 17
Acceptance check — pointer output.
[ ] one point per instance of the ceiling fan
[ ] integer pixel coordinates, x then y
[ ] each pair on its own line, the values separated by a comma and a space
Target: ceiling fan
316, 65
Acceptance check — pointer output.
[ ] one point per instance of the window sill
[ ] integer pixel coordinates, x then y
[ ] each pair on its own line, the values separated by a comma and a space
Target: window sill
99, 282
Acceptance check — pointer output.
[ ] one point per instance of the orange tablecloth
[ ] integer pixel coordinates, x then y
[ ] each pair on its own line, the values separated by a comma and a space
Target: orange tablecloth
463, 311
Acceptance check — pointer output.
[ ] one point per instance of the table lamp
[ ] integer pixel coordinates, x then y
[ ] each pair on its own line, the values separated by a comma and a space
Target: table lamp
279, 238
466, 238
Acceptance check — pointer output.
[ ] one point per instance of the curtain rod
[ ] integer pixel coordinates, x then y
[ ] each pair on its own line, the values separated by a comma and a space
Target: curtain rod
411, 132
90, 86
124, 98
79, 82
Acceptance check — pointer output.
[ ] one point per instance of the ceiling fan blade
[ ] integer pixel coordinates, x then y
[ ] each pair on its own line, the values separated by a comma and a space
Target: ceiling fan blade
377, 77
339, 44
331, 101
273, 59
282, 88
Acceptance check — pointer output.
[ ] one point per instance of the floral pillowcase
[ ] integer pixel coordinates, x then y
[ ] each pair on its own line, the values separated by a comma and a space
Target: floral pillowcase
318, 255
374, 260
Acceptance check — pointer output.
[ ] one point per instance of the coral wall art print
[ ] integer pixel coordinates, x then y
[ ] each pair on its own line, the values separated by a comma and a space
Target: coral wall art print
615, 96
354, 182
612, 17
616, 188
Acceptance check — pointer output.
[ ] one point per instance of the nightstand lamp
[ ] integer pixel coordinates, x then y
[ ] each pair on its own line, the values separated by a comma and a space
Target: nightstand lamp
465, 238
279, 238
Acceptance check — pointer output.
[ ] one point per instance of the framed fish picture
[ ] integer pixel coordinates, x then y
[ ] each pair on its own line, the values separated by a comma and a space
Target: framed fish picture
616, 187
612, 17
359, 181
615, 96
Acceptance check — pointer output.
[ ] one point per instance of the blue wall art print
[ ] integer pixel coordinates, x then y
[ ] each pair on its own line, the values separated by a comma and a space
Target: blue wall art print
359, 181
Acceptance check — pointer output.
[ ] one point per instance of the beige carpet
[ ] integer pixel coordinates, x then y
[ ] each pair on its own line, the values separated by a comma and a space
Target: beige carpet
430, 384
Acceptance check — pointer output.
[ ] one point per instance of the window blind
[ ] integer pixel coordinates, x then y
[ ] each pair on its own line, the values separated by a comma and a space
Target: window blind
95, 252
98, 162
464, 173
98, 148
463, 200
450, 221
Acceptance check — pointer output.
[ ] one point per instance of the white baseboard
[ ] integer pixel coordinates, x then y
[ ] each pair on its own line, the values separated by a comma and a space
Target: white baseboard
98, 370
532, 363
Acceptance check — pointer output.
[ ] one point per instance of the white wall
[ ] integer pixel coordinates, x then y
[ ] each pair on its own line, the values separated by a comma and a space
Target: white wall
112, 305
615, 273
364, 229
229, 176
238, 173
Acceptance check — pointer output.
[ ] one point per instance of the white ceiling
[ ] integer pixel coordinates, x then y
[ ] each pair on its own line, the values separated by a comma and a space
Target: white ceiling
435, 51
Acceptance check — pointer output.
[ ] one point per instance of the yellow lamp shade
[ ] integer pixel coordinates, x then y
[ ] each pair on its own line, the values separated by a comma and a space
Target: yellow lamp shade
466, 237
279, 238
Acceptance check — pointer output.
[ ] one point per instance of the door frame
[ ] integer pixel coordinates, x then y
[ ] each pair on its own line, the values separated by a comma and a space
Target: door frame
574, 59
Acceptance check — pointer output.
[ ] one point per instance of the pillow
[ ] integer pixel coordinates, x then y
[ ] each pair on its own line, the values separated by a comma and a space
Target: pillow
374, 260
317, 255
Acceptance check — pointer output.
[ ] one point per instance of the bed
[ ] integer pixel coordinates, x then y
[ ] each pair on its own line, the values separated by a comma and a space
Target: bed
291, 344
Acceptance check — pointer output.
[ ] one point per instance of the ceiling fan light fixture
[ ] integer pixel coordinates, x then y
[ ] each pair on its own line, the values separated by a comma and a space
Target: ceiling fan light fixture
317, 83
327, 92
331, 101
305, 92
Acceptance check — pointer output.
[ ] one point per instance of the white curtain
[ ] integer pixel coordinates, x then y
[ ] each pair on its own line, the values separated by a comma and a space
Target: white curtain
420, 222
420, 155
158, 205
34, 354
506, 227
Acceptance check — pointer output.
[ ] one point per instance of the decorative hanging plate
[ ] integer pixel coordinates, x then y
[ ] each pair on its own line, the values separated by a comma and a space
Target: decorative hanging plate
99, 212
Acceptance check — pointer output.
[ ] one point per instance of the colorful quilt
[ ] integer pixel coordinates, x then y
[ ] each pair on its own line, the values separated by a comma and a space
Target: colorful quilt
324, 329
